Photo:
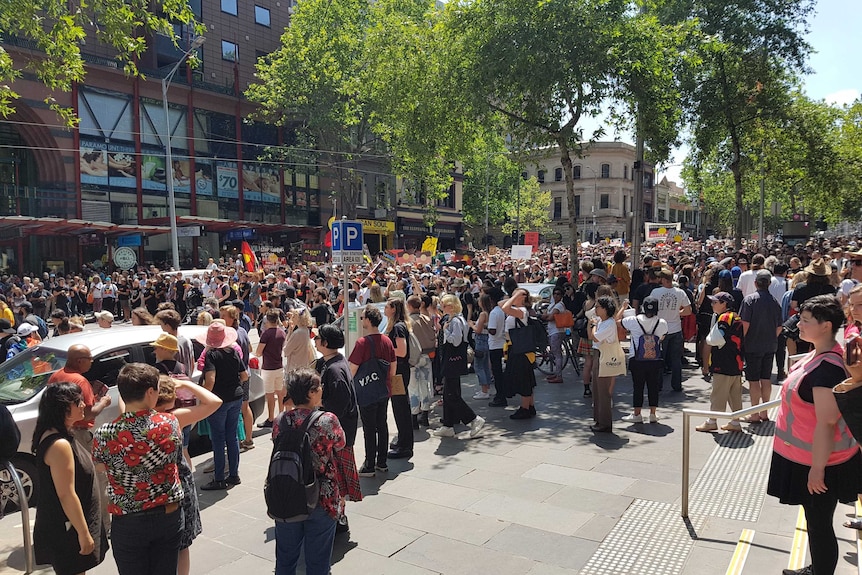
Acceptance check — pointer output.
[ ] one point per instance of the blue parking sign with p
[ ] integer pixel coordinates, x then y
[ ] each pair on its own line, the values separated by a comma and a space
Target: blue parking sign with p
347, 236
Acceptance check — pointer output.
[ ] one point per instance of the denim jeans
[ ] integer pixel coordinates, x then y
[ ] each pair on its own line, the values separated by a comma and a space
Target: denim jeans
673, 350
482, 367
555, 341
223, 425
147, 543
315, 536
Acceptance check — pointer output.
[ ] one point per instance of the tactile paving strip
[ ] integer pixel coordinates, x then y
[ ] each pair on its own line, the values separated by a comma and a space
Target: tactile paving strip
732, 484
652, 539
649, 539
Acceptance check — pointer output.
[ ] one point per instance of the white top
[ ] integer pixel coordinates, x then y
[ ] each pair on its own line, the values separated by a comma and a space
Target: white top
846, 286
510, 319
552, 327
496, 320
778, 287
670, 301
745, 284
631, 324
606, 332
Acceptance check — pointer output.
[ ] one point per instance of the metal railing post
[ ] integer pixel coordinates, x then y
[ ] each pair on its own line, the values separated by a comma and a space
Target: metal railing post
686, 438
686, 460
25, 517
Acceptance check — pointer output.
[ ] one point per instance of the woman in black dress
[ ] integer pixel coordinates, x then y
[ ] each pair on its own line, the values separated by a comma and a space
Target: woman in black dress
69, 533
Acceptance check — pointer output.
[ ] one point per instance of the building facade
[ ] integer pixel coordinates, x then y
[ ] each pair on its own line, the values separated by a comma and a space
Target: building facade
604, 190
69, 197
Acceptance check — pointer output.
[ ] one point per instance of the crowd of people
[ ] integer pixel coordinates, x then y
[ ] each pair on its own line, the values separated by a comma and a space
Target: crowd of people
743, 312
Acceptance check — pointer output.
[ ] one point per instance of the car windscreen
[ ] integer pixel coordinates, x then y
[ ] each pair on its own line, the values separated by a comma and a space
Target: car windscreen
27, 373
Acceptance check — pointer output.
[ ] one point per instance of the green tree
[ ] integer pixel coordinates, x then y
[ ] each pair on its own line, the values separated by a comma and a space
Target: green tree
545, 65
530, 211
746, 53
490, 181
56, 30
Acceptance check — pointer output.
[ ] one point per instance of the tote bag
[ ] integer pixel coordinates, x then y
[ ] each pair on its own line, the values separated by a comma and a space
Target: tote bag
612, 359
522, 338
370, 379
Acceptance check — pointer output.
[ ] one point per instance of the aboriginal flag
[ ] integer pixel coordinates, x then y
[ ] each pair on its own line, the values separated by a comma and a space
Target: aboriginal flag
249, 259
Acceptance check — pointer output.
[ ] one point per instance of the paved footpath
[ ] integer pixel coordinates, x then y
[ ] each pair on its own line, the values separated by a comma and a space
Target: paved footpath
539, 497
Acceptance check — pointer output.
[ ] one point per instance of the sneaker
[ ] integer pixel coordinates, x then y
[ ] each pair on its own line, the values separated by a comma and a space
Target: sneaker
381, 468
498, 403
707, 426
809, 570
533, 410
266, 424
366, 470
232, 480
246, 445
653, 418
481, 395
445, 431
634, 418
521, 414
588, 392
214, 486
732, 426
476, 426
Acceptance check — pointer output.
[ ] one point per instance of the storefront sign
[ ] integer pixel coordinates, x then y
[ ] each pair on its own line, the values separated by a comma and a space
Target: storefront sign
131, 241
380, 227
312, 252
125, 258
239, 235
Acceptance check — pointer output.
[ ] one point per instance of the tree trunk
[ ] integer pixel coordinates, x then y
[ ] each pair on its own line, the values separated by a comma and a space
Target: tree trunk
737, 183
566, 160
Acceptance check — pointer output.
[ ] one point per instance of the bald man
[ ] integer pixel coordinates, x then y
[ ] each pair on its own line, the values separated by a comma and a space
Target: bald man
79, 359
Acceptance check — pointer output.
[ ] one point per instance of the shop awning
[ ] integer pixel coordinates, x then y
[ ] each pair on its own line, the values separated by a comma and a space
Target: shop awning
32, 226
222, 225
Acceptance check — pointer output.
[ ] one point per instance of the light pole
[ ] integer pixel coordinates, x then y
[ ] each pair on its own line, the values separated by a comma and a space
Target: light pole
169, 160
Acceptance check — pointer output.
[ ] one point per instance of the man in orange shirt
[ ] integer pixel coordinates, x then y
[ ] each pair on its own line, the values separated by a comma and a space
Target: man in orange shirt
79, 359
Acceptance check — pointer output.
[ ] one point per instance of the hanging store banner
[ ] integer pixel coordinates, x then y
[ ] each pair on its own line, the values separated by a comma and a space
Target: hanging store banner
227, 180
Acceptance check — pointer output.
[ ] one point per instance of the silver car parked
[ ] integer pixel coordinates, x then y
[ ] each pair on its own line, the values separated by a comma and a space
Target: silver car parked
23, 378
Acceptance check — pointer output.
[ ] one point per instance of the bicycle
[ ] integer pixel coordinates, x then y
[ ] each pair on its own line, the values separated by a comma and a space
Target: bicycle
545, 361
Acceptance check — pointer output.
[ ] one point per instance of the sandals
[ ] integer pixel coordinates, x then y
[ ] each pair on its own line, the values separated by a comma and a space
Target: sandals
753, 418
855, 523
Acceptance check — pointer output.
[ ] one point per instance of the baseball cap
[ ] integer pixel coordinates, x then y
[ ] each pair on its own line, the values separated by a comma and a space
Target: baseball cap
650, 305
26, 329
721, 296
725, 274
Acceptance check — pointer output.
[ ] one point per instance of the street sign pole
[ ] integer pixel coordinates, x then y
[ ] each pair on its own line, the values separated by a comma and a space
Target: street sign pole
344, 297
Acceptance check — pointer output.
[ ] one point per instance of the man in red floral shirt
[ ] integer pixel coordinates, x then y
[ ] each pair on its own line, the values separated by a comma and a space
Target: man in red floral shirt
138, 451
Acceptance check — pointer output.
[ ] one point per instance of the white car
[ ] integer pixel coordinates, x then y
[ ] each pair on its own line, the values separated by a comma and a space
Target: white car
23, 378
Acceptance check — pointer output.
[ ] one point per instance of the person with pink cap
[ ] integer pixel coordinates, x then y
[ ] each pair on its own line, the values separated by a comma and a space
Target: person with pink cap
224, 373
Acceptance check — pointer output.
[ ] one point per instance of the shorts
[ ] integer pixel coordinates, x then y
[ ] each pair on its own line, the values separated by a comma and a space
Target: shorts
758, 366
273, 380
244, 390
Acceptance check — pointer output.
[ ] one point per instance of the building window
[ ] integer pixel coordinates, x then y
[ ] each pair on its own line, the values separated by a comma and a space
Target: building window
604, 201
229, 51
577, 206
558, 174
661, 217
606, 170
541, 176
625, 198
558, 208
261, 15
576, 172
625, 171
228, 6
672, 215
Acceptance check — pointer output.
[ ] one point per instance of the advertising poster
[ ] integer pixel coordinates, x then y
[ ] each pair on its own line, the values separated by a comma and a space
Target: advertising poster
301, 198
121, 166
227, 182
270, 185
532, 239
154, 176
314, 199
94, 163
251, 181
204, 184
182, 175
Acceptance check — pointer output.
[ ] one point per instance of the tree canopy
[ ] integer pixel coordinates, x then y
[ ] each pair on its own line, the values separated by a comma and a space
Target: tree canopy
56, 29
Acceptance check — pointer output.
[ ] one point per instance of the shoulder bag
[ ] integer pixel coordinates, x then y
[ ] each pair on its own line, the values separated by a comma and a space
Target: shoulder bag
370, 379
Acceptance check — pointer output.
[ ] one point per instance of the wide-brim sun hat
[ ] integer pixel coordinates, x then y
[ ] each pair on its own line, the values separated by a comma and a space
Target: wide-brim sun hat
818, 268
217, 336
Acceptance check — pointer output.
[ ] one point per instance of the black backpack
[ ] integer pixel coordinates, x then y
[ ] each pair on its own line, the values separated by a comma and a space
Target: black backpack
291, 489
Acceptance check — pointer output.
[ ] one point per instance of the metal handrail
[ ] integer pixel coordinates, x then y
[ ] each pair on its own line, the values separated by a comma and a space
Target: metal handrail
25, 517
686, 437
